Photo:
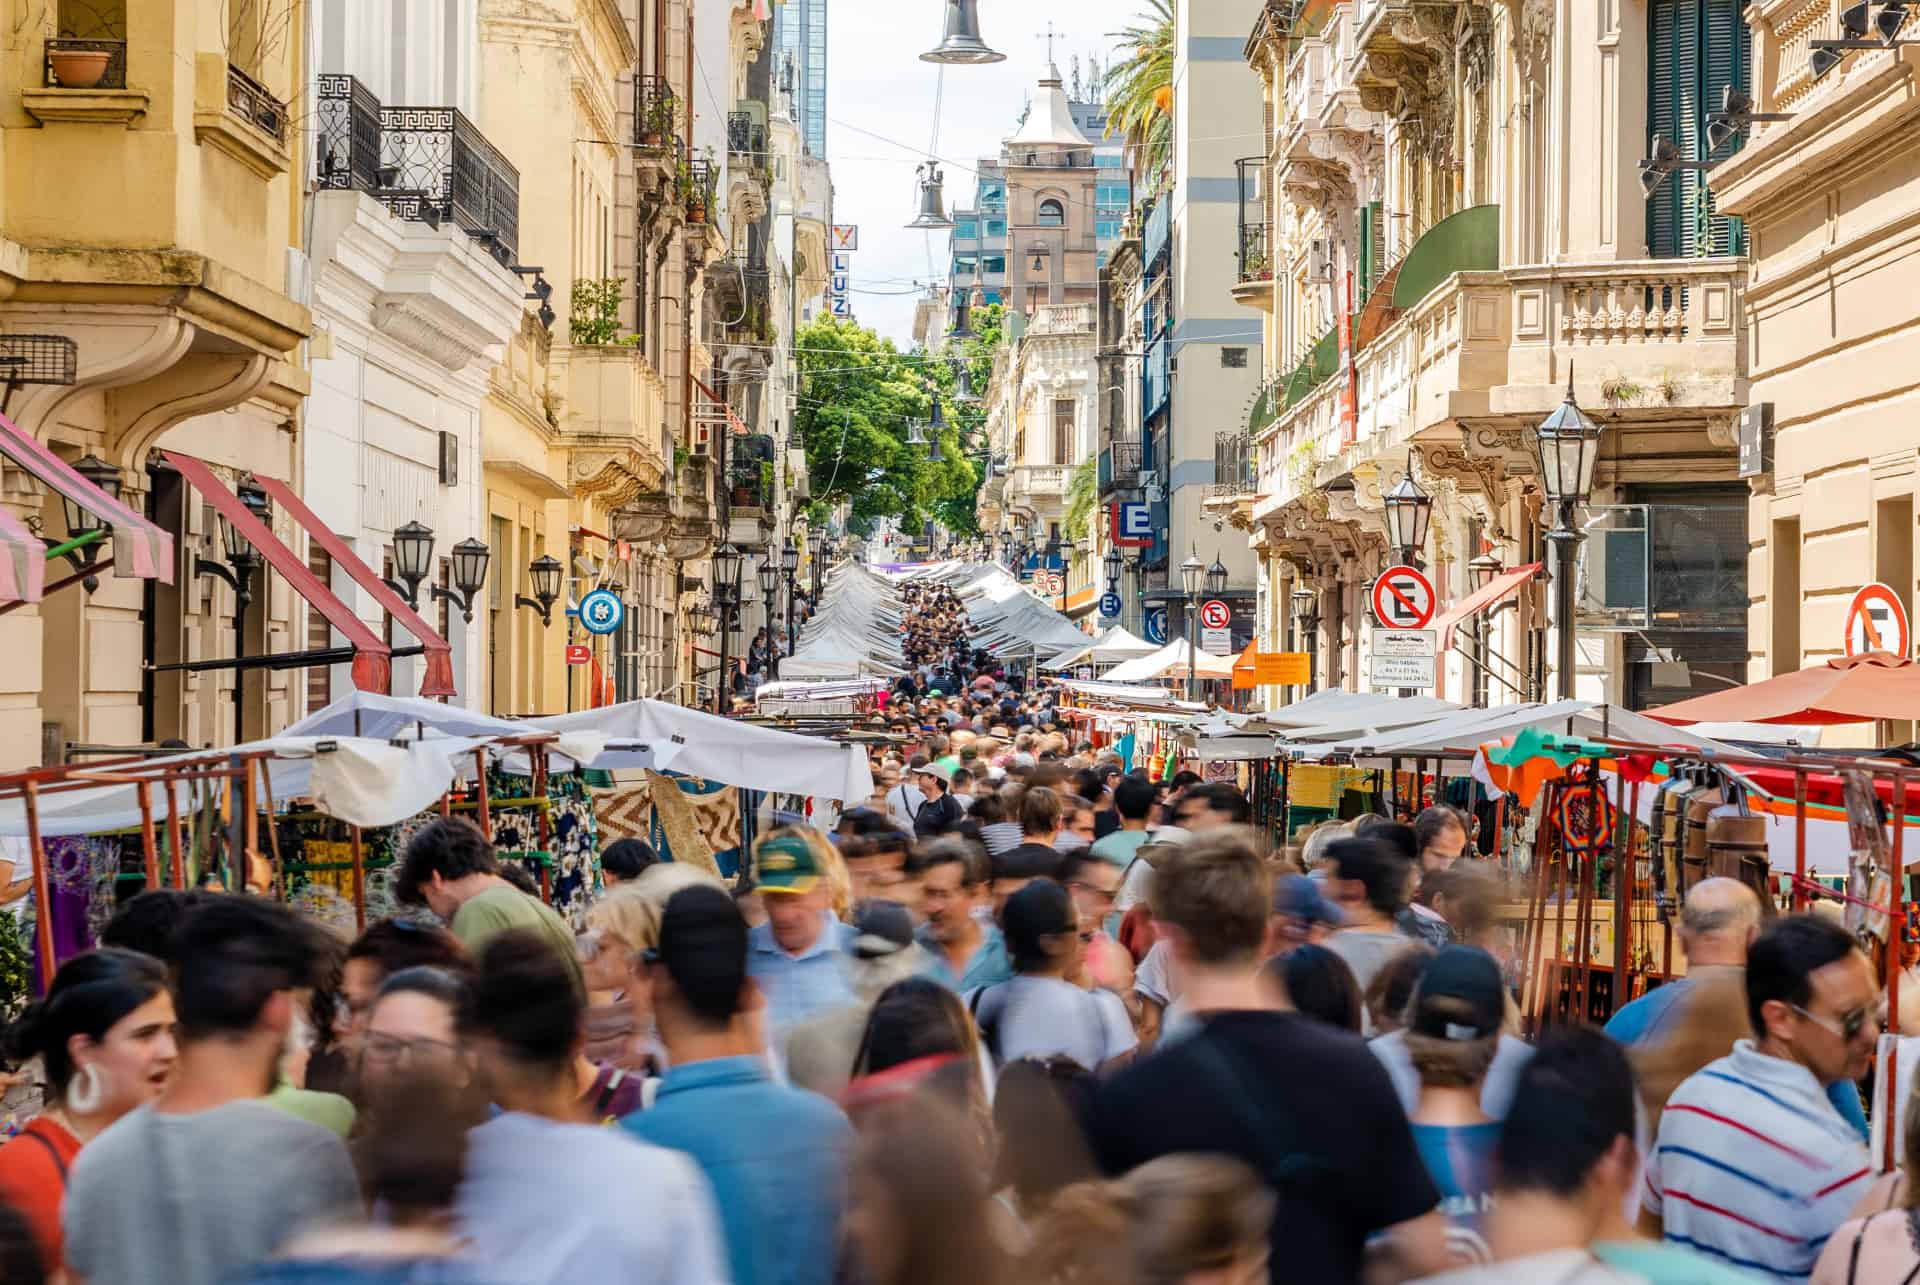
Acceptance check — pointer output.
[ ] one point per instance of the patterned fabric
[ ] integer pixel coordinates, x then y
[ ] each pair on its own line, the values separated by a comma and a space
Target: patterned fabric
574, 845
699, 823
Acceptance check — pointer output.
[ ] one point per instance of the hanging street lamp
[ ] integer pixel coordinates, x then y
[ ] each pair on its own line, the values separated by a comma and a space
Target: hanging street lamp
545, 572
960, 42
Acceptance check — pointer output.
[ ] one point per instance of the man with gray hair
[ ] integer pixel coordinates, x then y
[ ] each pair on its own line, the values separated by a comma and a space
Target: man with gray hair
1677, 1028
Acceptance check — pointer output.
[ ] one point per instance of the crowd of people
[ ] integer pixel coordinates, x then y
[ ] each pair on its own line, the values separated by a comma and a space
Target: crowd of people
1028, 1015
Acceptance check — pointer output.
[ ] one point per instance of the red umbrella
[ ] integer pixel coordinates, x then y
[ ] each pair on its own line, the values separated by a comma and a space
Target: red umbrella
1852, 689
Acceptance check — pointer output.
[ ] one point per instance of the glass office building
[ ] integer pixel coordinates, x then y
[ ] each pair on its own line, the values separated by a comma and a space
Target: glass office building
800, 43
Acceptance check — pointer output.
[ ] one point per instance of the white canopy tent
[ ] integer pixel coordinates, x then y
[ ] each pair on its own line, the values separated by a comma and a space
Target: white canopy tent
1451, 740
1110, 648
364, 782
1169, 661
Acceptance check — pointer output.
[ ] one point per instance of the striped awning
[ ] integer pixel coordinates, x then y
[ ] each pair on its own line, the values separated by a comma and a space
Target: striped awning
23, 561
141, 550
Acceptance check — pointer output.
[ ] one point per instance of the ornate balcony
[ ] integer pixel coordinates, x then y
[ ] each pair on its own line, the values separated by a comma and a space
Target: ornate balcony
444, 169
252, 102
81, 56
1119, 467
656, 113
347, 117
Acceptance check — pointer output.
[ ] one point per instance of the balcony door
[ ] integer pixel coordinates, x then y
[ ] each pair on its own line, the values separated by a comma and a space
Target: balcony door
1695, 49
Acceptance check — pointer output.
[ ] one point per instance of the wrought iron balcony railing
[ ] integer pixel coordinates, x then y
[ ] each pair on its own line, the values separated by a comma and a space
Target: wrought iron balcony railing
63, 50
1232, 464
1120, 466
1254, 263
655, 111
254, 103
459, 176
348, 119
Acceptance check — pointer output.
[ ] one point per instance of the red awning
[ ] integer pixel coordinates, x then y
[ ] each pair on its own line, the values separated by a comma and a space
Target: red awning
438, 680
1499, 587
734, 422
372, 659
1851, 689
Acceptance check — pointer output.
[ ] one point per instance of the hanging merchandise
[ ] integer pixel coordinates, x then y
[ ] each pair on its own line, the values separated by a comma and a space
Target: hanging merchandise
571, 857
1584, 817
1868, 879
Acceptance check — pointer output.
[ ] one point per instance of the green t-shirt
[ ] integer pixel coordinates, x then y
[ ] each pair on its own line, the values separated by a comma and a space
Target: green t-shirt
330, 1111
503, 907
1119, 847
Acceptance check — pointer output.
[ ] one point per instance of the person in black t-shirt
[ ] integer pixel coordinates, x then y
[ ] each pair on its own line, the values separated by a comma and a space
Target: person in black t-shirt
1308, 1106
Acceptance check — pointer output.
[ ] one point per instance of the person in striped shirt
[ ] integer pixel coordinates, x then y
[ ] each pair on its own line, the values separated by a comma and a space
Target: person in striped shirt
1752, 1165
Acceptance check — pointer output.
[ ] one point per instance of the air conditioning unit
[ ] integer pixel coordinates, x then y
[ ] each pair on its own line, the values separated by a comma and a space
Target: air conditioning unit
1320, 260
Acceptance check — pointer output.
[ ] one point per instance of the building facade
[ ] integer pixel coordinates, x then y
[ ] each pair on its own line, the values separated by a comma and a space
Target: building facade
153, 302
800, 41
1827, 199
1441, 244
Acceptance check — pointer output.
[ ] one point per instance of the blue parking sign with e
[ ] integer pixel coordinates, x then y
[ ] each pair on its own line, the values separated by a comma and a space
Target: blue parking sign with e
1157, 625
1136, 520
1110, 605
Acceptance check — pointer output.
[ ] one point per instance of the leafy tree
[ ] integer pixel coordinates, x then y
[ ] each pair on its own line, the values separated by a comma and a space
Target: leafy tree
861, 395
1140, 90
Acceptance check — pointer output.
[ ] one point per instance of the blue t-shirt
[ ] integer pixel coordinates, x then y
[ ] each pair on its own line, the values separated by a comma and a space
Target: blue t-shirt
1459, 1159
1631, 1024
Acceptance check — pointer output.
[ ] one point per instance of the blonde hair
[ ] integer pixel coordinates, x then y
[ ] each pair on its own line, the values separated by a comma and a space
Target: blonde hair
1161, 1223
1317, 841
628, 914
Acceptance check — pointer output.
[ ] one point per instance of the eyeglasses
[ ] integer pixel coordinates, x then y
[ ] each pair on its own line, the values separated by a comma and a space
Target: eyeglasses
392, 1049
1105, 895
1850, 1024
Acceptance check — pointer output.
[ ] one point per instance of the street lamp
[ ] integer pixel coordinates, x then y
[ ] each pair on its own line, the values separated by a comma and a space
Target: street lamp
1484, 569
1193, 575
545, 572
789, 563
1217, 577
82, 522
242, 561
726, 597
769, 575
413, 563
1306, 623
1111, 563
1409, 510
470, 560
1568, 445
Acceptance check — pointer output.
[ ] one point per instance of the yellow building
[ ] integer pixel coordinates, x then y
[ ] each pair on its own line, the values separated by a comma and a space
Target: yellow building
149, 227
1829, 196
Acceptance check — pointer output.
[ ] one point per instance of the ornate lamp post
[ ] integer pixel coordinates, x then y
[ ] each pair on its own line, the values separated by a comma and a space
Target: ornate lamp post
1409, 510
726, 597
1193, 575
242, 561
1306, 623
770, 590
1568, 445
790, 563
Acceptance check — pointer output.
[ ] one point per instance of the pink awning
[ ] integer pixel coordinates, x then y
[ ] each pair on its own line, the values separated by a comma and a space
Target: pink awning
372, 658
1499, 587
141, 550
23, 561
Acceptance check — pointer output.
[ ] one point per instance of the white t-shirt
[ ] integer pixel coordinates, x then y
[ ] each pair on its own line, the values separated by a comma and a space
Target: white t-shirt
1044, 1016
550, 1202
904, 802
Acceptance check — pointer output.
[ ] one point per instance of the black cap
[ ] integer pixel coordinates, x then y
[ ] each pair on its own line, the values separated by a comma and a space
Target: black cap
881, 927
1469, 976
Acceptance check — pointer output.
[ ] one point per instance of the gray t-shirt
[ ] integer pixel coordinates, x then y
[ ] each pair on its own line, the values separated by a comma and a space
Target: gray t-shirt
193, 1199
1044, 1016
551, 1202
1510, 1057
1366, 952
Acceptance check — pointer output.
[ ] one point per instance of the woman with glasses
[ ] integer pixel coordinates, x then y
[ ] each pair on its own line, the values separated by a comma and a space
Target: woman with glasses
413, 1029
387, 947
1040, 1011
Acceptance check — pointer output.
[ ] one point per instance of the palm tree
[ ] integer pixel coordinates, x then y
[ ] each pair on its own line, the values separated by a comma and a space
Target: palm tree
1140, 90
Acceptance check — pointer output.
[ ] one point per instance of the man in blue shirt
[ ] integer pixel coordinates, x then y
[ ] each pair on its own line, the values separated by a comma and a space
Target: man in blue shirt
1718, 922
796, 957
776, 1156
966, 948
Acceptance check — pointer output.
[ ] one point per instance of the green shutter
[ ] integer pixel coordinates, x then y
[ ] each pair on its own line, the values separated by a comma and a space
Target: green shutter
1695, 49
1366, 252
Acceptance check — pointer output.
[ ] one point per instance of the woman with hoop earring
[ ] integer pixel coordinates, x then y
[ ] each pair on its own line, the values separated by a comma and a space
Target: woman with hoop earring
104, 1038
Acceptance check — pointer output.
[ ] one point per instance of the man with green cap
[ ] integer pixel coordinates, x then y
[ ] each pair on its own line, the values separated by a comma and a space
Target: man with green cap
796, 955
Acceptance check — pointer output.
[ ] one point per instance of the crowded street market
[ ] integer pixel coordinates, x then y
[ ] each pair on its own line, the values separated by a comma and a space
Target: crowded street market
806, 642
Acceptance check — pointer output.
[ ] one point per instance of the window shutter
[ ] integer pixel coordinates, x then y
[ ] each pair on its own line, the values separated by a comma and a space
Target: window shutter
1695, 49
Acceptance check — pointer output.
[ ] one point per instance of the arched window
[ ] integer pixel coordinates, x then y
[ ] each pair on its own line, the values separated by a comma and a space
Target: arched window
1052, 213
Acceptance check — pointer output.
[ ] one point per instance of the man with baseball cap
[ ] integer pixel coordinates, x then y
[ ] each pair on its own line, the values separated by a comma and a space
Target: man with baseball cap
776, 1156
937, 813
795, 957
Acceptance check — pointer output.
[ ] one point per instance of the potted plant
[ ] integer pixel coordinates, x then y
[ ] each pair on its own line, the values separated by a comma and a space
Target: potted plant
79, 68
657, 122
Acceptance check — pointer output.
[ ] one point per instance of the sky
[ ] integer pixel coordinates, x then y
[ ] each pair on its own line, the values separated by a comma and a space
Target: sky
880, 121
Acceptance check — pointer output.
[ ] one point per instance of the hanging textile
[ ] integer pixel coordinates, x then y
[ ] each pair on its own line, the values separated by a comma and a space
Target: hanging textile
699, 823
573, 846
